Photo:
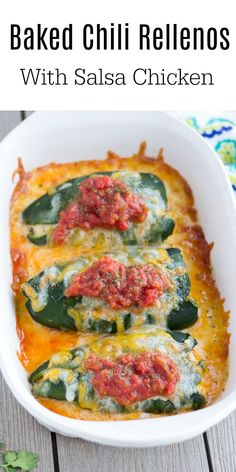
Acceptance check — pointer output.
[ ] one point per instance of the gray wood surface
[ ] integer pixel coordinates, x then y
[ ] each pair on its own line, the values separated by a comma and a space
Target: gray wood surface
76, 454
212, 452
8, 121
222, 443
18, 430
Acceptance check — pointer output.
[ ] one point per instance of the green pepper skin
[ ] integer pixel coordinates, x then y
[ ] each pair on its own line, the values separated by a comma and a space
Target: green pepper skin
56, 312
181, 337
102, 326
184, 317
176, 258
109, 327
46, 210
54, 315
37, 240
154, 183
56, 391
128, 237
154, 407
187, 394
158, 406
198, 401
38, 373
160, 230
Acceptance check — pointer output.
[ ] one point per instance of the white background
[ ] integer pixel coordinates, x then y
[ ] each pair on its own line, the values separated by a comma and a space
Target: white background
208, 13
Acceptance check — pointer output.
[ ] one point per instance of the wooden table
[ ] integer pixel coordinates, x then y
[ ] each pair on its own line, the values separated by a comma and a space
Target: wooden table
212, 451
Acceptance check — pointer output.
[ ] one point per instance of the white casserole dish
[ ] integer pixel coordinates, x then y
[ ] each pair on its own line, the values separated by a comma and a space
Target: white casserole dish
68, 136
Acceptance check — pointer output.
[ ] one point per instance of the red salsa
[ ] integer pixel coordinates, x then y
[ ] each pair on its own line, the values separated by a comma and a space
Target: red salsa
132, 378
101, 202
119, 285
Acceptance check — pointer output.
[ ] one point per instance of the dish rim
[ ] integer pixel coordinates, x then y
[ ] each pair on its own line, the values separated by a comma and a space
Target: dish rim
107, 435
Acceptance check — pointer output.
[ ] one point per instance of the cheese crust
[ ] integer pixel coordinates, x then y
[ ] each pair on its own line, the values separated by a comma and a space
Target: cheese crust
38, 343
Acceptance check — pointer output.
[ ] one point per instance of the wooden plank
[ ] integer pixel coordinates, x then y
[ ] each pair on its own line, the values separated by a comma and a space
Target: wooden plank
76, 454
8, 121
18, 430
222, 445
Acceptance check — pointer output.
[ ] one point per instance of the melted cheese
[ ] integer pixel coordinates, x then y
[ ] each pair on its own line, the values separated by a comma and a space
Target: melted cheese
39, 343
112, 347
91, 309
